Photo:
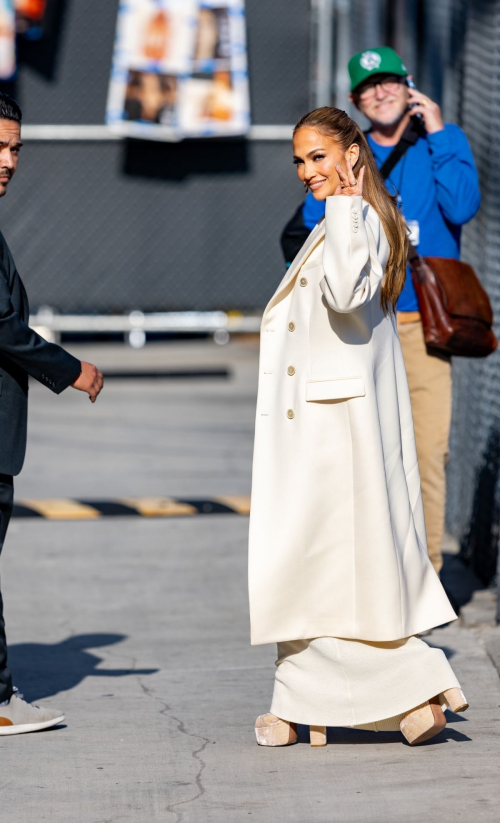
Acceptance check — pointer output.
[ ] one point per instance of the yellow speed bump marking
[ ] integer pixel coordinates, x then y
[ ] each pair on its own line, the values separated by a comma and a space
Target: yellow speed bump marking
240, 503
158, 506
62, 509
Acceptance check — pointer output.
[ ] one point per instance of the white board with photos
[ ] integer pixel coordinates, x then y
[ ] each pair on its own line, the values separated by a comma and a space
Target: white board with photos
7, 40
179, 69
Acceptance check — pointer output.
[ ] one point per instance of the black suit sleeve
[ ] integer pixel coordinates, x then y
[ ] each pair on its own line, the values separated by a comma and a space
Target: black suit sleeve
49, 364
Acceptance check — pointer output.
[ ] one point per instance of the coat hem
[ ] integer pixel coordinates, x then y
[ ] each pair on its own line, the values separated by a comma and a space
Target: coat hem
369, 637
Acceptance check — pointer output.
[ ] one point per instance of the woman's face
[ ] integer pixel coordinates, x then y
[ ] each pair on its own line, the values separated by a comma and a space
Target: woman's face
315, 155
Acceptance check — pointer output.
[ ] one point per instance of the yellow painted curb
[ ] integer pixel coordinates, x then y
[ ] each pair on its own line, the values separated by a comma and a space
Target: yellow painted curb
158, 506
62, 509
240, 503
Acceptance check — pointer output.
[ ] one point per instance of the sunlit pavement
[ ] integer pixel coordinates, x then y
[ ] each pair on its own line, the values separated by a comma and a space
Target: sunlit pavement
138, 629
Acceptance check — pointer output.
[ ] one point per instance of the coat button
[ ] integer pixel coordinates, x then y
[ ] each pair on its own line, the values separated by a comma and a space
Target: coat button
291, 326
303, 281
290, 370
290, 414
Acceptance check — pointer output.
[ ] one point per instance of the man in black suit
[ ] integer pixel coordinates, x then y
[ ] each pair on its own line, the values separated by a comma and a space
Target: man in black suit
23, 353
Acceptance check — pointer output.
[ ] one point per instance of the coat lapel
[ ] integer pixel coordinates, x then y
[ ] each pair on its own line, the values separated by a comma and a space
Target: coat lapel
314, 238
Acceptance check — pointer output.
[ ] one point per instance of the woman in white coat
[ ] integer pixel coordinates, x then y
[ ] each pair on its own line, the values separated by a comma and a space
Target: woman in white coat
339, 575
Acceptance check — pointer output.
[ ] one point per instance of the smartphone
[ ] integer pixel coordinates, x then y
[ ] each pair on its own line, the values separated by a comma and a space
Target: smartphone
411, 85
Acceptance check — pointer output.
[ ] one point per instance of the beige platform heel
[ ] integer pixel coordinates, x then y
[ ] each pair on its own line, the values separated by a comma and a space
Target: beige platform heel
272, 731
455, 700
423, 722
317, 736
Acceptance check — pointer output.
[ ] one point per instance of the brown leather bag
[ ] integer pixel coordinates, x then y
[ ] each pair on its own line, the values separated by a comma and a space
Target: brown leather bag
456, 311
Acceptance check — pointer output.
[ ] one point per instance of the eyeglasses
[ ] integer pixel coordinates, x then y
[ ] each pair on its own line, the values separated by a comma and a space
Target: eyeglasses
388, 84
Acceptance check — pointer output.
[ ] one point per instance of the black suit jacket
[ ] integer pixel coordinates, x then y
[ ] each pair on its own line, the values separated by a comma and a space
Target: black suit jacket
23, 353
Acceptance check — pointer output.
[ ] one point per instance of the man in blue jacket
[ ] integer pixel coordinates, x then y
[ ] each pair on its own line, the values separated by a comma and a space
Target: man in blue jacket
437, 189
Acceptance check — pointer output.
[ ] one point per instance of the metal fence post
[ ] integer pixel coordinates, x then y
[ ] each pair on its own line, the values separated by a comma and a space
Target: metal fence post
343, 52
323, 14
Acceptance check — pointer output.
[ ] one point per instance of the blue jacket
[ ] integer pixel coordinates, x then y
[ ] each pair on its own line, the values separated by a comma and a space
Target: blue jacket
437, 186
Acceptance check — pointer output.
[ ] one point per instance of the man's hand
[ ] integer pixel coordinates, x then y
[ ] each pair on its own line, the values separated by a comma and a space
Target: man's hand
430, 111
90, 380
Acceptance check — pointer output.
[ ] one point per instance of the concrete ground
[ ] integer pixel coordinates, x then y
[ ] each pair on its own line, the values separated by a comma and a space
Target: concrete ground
138, 629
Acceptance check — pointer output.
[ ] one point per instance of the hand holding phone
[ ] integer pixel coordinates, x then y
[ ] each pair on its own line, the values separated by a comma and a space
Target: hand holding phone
421, 106
411, 85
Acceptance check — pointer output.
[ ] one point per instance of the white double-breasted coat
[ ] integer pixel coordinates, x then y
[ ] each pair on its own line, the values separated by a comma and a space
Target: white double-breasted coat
337, 535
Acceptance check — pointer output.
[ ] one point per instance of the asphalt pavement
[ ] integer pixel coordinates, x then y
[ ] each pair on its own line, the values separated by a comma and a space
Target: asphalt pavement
138, 629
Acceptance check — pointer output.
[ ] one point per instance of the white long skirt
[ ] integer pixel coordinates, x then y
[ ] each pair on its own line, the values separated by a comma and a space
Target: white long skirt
328, 681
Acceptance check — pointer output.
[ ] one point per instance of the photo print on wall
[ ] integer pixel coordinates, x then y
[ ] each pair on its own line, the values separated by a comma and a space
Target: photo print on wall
7, 40
179, 69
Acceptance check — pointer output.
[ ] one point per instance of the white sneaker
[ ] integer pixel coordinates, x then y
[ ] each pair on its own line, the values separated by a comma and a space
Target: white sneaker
18, 717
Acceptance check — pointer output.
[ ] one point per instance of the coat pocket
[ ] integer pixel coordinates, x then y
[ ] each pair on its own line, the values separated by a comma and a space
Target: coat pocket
340, 389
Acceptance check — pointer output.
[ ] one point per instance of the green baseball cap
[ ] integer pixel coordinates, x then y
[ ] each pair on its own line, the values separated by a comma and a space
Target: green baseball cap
365, 64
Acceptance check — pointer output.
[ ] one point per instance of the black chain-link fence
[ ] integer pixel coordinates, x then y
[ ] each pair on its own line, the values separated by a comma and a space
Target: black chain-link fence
474, 488
111, 226
453, 47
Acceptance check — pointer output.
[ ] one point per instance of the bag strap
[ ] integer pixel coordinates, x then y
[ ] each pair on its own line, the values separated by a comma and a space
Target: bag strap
410, 136
412, 254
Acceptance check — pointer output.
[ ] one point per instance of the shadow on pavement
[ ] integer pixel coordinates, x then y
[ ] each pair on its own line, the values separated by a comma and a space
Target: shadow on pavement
355, 736
459, 581
43, 669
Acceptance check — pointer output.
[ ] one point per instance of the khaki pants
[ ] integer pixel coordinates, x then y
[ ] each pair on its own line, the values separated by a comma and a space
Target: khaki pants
429, 379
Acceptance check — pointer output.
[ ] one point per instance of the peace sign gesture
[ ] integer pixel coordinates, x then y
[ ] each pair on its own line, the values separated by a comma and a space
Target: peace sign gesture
349, 186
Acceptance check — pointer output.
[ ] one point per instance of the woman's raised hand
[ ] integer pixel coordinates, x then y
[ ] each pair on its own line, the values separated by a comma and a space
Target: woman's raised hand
349, 186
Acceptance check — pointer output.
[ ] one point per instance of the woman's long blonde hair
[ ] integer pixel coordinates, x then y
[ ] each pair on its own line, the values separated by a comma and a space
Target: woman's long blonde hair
337, 124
